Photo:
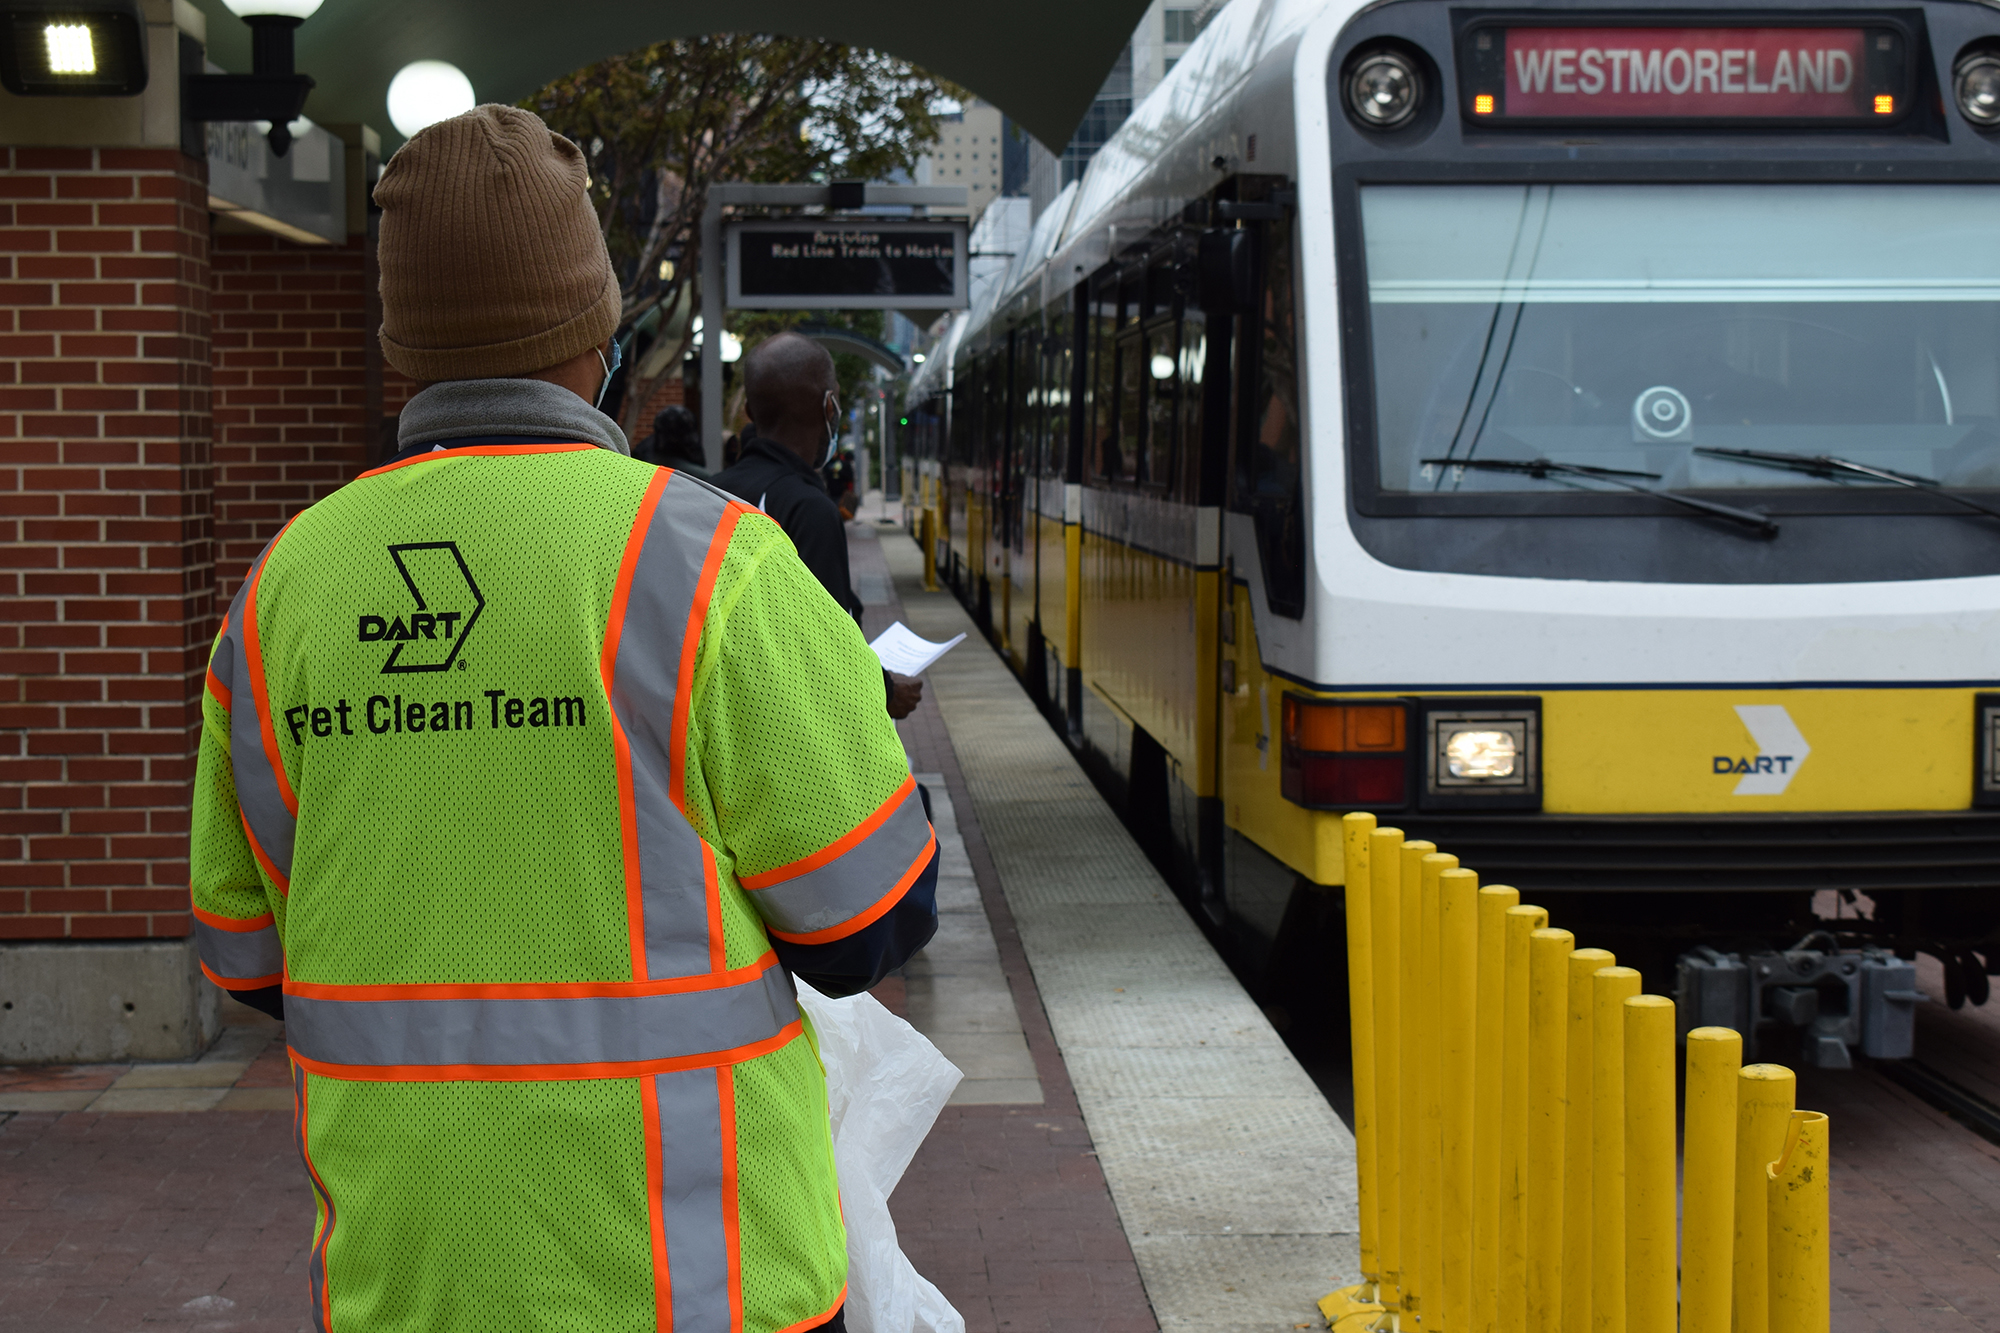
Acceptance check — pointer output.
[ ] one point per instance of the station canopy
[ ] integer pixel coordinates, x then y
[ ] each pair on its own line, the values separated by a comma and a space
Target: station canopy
1040, 61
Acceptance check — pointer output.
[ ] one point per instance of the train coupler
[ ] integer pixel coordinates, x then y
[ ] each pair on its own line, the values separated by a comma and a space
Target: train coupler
1831, 1000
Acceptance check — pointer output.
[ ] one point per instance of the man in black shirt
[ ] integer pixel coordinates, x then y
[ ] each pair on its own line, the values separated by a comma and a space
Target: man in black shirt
792, 396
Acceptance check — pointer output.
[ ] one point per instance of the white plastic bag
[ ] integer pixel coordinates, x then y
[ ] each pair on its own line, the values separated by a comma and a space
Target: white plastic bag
885, 1084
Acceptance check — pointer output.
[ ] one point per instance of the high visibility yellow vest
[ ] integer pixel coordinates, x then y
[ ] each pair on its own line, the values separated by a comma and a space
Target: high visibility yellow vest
513, 755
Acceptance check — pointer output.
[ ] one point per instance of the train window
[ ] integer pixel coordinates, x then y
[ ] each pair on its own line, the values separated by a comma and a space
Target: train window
964, 407
1056, 356
1713, 336
1267, 457
1024, 444
1130, 437
1103, 379
1162, 380
1192, 357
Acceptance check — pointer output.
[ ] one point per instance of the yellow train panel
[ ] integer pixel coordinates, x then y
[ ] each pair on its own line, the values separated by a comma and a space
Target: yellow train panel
1139, 642
1752, 751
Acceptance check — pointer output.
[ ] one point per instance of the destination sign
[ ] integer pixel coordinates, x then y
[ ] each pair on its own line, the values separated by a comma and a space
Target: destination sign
894, 265
1803, 75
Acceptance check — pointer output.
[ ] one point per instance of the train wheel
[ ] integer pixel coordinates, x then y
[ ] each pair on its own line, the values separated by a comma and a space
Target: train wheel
1974, 971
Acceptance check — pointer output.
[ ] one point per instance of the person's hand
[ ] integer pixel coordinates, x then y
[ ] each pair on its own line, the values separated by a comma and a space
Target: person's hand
905, 697
850, 504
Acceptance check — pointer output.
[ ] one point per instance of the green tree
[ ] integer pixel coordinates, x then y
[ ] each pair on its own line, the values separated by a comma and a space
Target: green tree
660, 125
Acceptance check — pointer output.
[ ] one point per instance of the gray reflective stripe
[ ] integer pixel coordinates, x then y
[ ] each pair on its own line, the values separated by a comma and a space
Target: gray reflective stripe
853, 882
257, 788
239, 954
673, 883
581, 1031
692, 1210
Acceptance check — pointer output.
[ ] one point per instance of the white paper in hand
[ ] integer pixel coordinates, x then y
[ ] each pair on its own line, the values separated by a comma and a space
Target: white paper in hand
905, 653
885, 1084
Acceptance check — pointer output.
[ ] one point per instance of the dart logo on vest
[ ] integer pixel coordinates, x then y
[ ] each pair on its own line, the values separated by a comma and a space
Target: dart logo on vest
448, 602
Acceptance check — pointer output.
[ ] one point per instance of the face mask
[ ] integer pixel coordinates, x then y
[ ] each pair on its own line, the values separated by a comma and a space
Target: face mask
610, 369
831, 433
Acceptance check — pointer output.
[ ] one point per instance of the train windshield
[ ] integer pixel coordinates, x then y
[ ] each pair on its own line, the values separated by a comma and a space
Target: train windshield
1671, 333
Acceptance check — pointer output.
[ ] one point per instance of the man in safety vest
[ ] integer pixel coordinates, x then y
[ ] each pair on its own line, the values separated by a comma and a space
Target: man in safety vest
530, 776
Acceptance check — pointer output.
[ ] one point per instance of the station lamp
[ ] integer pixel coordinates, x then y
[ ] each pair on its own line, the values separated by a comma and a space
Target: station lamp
273, 91
73, 48
425, 92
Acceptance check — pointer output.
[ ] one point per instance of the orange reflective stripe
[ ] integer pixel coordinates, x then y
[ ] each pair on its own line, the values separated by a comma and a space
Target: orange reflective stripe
316, 1264
529, 990
656, 1222
833, 850
712, 882
718, 547
270, 868
232, 922
240, 983
820, 1318
221, 692
547, 1073
477, 451
621, 744
253, 654
732, 1238
863, 920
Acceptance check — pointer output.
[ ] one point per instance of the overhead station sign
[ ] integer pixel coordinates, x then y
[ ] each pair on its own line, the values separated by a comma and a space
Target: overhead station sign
1799, 75
807, 265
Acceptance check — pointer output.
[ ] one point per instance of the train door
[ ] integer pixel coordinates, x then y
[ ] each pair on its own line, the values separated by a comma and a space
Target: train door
1053, 521
1266, 553
1023, 411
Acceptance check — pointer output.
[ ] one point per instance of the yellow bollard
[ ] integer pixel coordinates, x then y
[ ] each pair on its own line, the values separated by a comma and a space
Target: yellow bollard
1578, 1053
1430, 1077
1708, 1176
1409, 1009
1354, 834
1797, 1198
1458, 952
1494, 900
1515, 1055
1650, 1262
1384, 878
1548, 1021
1609, 989
1764, 1097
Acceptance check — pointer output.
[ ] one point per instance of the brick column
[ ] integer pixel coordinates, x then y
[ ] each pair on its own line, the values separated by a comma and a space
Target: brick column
292, 421
106, 569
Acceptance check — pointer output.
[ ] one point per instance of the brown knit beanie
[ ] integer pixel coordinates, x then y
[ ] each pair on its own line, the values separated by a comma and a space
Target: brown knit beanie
492, 262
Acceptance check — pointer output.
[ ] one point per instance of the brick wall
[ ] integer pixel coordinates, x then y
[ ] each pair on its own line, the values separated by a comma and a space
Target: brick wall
292, 409
106, 569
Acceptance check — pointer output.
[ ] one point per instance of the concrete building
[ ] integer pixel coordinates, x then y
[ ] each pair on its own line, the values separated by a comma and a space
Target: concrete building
1162, 38
970, 152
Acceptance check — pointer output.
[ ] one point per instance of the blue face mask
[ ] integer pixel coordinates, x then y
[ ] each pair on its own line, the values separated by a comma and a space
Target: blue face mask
610, 369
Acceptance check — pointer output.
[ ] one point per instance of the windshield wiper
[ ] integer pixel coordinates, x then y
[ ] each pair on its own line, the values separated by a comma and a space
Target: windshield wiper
1829, 468
1548, 467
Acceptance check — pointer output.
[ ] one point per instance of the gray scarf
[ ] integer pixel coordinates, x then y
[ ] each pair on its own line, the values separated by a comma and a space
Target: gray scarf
458, 408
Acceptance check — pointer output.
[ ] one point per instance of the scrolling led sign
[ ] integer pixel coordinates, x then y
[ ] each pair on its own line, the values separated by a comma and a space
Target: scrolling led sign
1743, 75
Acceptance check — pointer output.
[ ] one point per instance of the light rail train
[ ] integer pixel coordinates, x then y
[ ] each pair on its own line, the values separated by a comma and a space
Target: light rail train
1570, 431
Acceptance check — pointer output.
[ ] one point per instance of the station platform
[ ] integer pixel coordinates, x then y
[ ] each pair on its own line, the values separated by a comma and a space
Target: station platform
1133, 1147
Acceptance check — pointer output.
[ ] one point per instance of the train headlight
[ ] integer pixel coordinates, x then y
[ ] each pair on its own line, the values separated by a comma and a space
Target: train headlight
1345, 754
1384, 90
1976, 81
1986, 749
1481, 754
